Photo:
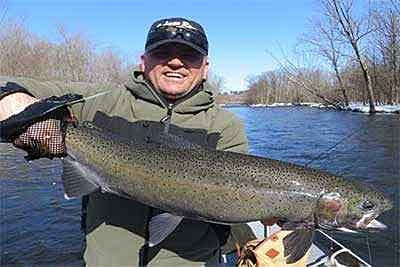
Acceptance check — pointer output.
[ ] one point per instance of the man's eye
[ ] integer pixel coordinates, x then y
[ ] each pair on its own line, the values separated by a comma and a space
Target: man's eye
160, 54
191, 57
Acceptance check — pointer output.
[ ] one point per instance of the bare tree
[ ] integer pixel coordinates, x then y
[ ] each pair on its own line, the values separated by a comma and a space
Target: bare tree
3, 11
73, 58
343, 38
215, 82
326, 42
353, 30
302, 75
260, 90
74, 54
108, 67
396, 5
15, 49
274, 81
388, 42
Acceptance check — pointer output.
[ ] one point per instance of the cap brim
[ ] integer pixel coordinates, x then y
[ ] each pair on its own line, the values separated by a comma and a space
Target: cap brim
179, 41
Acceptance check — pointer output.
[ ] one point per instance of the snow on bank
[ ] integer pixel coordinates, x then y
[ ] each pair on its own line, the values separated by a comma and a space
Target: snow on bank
359, 107
271, 105
356, 107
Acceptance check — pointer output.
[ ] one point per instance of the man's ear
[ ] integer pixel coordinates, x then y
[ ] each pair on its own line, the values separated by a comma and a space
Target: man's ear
206, 67
142, 63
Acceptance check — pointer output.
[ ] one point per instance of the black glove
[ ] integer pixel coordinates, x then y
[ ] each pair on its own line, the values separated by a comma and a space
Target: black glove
40, 128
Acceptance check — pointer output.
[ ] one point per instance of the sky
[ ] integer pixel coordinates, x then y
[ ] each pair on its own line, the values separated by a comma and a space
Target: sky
239, 32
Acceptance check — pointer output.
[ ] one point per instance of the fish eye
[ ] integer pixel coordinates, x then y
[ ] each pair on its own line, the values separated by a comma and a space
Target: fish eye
367, 205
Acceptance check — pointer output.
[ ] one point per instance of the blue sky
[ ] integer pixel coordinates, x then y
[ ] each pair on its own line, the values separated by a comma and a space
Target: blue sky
239, 32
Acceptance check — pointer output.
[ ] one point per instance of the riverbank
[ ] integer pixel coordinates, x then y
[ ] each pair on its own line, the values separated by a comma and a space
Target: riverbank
354, 107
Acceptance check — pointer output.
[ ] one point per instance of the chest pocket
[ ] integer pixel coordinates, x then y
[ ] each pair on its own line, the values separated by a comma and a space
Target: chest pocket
153, 131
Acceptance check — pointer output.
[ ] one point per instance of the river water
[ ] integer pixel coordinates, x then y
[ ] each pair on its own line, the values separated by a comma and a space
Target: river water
39, 227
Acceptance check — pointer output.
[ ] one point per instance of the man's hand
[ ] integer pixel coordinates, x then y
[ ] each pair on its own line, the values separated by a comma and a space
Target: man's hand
41, 139
44, 139
15, 103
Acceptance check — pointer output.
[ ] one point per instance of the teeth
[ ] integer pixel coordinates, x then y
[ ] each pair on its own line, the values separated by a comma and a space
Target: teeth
174, 75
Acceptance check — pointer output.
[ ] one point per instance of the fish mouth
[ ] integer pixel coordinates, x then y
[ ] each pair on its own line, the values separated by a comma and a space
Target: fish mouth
347, 230
337, 229
369, 223
361, 226
375, 224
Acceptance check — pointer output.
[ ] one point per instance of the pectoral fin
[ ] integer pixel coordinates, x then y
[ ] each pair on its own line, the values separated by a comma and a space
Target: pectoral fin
161, 226
75, 179
296, 244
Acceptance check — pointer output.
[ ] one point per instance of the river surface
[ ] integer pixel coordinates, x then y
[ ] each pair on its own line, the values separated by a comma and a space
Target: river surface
38, 227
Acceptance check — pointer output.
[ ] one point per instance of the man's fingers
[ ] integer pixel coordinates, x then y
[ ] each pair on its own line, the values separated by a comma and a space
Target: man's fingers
43, 139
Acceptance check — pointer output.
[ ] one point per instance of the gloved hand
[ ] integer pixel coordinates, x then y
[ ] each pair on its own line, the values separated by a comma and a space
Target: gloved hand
41, 127
43, 139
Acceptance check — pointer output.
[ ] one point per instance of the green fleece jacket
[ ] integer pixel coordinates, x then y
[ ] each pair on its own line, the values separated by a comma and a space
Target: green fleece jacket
116, 227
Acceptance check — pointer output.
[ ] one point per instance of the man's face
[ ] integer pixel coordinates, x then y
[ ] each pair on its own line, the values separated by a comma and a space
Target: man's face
174, 69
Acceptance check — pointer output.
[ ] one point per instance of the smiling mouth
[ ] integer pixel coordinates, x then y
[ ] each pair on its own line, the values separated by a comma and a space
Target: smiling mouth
174, 76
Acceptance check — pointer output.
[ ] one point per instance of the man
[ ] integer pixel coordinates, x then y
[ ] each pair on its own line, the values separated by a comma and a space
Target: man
169, 88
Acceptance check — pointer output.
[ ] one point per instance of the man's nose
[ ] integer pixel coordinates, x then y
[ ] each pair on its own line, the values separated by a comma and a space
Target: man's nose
175, 61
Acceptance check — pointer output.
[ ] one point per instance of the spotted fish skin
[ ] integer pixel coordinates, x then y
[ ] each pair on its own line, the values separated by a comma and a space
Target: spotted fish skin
210, 185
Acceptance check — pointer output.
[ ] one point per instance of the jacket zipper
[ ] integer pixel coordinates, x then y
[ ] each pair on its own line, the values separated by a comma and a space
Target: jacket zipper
166, 121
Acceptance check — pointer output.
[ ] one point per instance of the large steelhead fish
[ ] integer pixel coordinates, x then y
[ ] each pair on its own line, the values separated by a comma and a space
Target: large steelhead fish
216, 186
194, 182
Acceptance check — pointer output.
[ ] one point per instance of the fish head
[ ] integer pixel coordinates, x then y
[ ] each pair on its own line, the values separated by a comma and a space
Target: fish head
352, 210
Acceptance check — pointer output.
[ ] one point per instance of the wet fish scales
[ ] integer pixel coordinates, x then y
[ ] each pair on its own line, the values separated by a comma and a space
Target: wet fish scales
221, 187
244, 187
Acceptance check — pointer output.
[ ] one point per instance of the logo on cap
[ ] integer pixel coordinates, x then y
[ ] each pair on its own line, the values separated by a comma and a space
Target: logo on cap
177, 24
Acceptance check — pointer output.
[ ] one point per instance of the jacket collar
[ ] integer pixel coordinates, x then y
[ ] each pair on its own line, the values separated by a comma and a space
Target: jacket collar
197, 100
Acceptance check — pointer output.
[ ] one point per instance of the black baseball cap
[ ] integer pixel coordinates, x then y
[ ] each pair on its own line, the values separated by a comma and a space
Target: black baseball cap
177, 30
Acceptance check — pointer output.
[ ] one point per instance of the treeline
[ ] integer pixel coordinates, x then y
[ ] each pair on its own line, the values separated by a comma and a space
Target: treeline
357, 46
72, 58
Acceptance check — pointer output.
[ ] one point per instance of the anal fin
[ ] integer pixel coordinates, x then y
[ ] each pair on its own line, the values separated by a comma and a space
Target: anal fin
160, 226
296, 244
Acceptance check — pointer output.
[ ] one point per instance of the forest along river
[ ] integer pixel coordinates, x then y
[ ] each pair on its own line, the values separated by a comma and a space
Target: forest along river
39, 227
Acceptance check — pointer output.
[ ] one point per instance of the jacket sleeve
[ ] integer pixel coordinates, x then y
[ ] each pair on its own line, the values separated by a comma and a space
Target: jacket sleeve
232, 132
83, 111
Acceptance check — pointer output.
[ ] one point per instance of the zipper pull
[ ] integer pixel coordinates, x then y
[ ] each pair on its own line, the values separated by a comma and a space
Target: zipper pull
167, 119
